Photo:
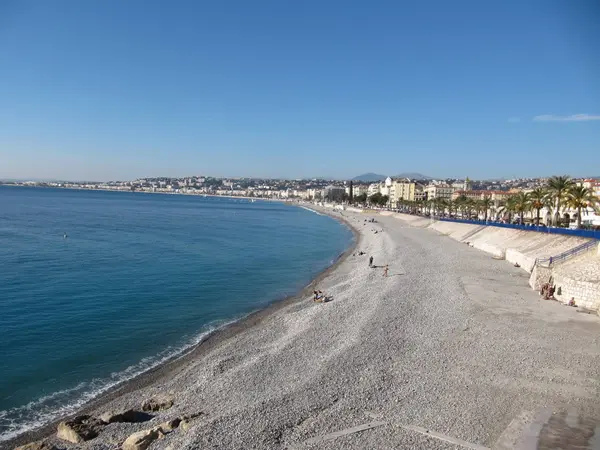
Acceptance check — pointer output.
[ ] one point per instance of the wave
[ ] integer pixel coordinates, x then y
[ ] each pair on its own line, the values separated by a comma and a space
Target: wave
312, 210
44, 410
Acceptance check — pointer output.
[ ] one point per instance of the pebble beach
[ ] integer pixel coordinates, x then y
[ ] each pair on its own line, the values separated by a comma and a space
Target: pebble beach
451, 340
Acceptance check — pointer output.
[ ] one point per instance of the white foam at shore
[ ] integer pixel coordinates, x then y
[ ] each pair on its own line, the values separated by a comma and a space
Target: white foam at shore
44, 410
311, 210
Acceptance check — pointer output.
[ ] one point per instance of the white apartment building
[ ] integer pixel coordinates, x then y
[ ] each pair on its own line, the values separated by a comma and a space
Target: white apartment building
373, 188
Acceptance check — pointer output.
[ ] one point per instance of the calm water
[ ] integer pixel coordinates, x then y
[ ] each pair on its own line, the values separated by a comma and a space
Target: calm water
138, 278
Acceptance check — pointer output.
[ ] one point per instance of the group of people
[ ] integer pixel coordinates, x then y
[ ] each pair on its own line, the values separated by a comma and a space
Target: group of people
547, 291
385, 268
320, 297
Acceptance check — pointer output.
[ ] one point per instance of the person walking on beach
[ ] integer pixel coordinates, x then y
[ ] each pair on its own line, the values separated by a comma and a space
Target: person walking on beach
371, 261
385, 271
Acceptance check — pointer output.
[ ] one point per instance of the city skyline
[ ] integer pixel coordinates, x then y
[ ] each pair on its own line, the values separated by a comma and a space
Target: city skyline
317, 89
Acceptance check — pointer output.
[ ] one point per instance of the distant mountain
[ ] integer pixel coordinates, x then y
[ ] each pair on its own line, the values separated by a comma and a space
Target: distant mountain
369, 177
413, 176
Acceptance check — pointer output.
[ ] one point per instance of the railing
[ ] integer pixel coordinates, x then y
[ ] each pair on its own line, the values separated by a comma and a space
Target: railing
592, 234
547, 262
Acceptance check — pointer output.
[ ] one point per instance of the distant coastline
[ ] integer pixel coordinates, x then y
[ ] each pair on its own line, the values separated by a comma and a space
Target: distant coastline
189, 194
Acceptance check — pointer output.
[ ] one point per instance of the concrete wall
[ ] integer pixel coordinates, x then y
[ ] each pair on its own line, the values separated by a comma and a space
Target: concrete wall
516, 246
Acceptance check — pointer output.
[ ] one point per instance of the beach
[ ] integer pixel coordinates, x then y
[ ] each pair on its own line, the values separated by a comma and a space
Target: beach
451, 341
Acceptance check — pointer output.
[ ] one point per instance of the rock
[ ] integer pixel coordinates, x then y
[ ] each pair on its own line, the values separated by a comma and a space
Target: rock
80, 429
39, 445
126, 415
158, 403
142, 439
185, 425
170, 425
186, 421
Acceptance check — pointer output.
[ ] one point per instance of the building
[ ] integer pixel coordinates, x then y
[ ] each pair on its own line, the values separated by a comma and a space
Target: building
496, 196
444, 191
386, 188
314, 194
420, 194
403, 189
373, 188
463, 185
360, 189
592, 185
334, 193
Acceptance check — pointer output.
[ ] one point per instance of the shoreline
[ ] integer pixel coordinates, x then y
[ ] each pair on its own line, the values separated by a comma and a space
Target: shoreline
212, 340
188, 194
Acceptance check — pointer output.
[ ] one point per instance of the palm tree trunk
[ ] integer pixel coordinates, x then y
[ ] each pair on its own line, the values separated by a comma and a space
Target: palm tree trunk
537, 217
578, 217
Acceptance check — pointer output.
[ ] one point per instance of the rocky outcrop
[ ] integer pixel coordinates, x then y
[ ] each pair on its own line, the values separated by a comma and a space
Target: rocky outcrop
126, 415
80, 429
158, 403
40, 445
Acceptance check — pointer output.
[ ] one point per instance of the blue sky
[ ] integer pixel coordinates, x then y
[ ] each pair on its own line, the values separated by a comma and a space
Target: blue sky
117, 89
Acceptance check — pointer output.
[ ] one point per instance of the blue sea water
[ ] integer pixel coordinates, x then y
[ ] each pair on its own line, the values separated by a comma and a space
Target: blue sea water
139, 278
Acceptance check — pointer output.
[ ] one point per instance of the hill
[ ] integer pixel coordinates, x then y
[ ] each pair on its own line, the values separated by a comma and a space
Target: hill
369, 177
413, 176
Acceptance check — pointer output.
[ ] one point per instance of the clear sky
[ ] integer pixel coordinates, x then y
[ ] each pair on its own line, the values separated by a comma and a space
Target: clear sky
120, 89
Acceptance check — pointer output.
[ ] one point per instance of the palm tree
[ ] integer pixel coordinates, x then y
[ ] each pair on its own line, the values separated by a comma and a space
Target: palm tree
452, 207
520, 204
486, 203
538, 198
442, 205
558, 186
579, 197
461, 203
470, 204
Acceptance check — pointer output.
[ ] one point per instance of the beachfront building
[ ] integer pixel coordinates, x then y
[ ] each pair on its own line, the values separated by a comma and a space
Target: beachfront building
386, 188
496, 196
420, 194
373, 188
334, 193
357, 190
314, 194
434, 191
403, 189
592, 185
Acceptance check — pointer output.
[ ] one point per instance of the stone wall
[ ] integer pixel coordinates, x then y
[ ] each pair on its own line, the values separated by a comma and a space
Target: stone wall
579, 278
539, 276
585, 294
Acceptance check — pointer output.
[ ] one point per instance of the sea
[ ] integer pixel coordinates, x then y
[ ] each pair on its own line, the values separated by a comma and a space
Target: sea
97, 287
